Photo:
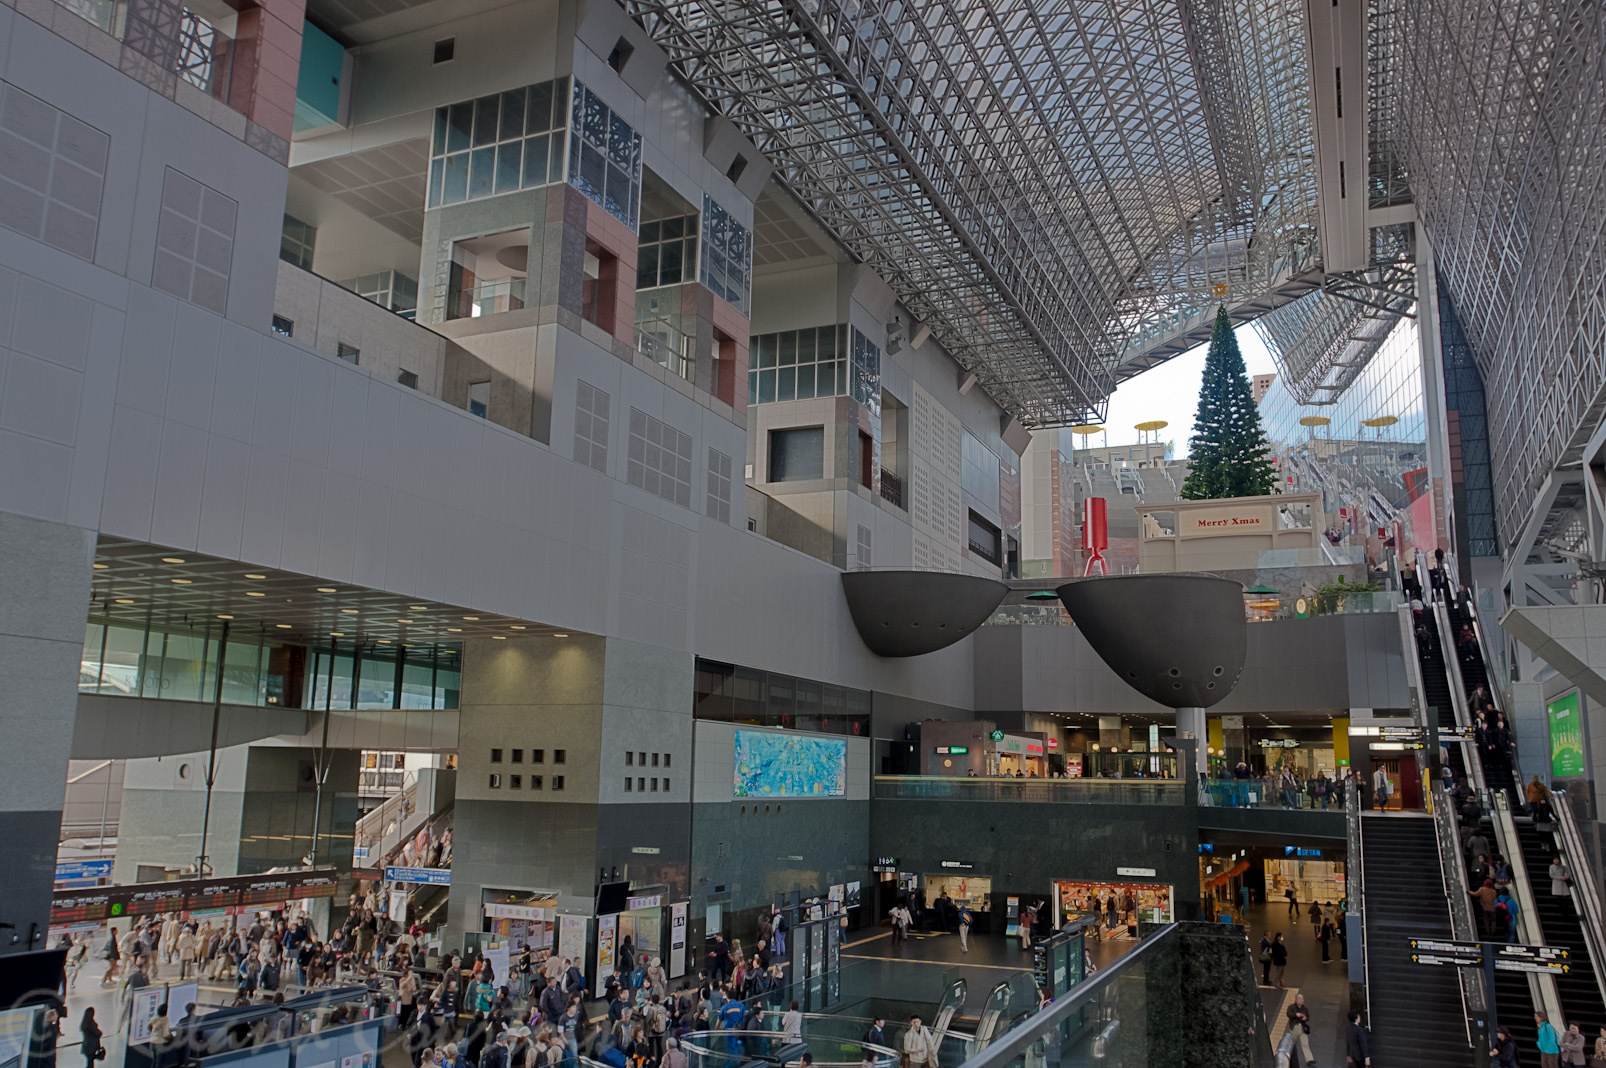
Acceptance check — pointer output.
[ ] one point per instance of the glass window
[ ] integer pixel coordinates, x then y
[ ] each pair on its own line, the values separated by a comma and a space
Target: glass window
503, 158
727, 256
666, 246
809, 365
797, 453
605, 157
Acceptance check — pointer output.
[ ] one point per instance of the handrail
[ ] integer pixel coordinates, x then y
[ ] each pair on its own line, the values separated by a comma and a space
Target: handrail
1541, 987
1458, 699
1498, 702
1453, 879
1586, 894
693, 1041
1355, 884
1010, 1044
1413, 669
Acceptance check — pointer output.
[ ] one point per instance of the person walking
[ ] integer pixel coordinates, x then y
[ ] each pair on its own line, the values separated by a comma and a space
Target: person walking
1265, 958
965, 920
1299, 1026
877, 1035
1028, 916
1325, 936
1315, 914
1548, 1042
1381, 788
1279, 960
792, 1025
1293, 901
1357, 1044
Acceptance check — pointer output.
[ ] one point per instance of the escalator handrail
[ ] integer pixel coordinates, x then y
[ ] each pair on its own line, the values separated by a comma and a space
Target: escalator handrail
1355, 889
1505, 836
1453, 878
1496, 699
1585, 892
1458, 699
1413, 668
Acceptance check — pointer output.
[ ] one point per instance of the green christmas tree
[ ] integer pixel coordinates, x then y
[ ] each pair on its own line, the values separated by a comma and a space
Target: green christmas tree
1229, 455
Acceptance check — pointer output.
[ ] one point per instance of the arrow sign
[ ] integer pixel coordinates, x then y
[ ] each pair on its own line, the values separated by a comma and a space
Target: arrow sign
1436, 958
1522, 952
1446, 945
1548, 967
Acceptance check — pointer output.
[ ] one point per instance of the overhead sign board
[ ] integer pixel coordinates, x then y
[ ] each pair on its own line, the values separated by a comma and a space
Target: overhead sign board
427, 876
1141, 873
83, 869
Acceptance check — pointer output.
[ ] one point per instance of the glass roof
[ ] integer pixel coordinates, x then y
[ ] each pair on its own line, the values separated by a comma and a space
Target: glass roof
1062, 189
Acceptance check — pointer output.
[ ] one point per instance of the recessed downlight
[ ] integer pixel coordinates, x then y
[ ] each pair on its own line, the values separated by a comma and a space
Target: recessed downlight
326, 589
282, 626
181, 582
348, 611
101, 567
384, 641
472, 619
225, 617
517, 626
419, 607
404, 621
125, 600
560, 635
172, 559
255, 593
251, 575
499, 637
337, 634
455, 630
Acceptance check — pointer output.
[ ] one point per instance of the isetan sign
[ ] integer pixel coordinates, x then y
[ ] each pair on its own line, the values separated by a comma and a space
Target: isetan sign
1222, 521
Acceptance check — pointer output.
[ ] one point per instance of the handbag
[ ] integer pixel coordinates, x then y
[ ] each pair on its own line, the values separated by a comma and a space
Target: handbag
1265, 956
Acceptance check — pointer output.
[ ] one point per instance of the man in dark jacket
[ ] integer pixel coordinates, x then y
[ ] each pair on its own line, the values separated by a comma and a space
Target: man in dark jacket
1505, 1049
1357, 1047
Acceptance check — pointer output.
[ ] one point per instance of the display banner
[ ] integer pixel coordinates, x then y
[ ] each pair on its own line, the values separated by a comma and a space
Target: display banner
496, 955
143, 1005
572, 937
1566, 736
677, 938
607, 929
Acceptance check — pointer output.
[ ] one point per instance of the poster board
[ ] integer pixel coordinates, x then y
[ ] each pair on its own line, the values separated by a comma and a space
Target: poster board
180, 995
496, 955
1565, 716
16, 1030
607, 929
142, 1010
572, 937
677, 938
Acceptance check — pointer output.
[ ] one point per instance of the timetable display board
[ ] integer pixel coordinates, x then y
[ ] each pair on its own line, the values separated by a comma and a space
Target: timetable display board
101, 903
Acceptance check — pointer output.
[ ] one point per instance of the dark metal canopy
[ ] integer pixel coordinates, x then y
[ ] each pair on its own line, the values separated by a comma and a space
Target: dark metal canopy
906, 613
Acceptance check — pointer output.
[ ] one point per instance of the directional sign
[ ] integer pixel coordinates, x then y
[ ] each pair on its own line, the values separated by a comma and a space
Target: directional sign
1547, 967
83, 869
430, 876
1523, 952
1436, 958
1447, 945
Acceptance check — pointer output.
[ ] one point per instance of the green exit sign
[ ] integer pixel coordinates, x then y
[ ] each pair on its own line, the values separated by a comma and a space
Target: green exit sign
959, 749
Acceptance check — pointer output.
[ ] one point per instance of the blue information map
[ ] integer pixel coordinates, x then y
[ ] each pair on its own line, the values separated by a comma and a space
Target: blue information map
773, 764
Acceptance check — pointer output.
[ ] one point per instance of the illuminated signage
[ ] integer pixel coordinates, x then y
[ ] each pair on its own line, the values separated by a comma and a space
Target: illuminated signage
957, 750
1300, 851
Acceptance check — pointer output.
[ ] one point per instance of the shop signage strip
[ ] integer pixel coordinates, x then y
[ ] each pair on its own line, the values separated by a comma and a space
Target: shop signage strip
1145, 873
184, 895
428, 876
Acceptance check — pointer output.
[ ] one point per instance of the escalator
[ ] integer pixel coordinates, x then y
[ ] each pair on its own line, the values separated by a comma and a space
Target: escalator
1436, 686
1498, 772
1558, 919
1417, 1015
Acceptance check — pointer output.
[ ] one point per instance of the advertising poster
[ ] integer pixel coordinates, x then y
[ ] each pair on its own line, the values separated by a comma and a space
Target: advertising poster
143, 1005
607, 927
398, 906
677, 938
16, 1026
853, 895
572, 937
497, 957
365, 1059
1011, 915
180, 995
1566, 736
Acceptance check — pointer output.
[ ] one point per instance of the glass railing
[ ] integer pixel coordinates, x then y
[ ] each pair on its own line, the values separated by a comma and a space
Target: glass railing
1046, 791
486, 298
723, 1049
663, 342
1273, 792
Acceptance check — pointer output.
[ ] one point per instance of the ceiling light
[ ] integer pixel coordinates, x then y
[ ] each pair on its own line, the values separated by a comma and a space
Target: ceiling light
253, 576
407, 645
517, 626
181, 582
326, 589
404, 621
472, 619
337, 634
102, 567
349, 611
255, 593
499, 637
560, 635
282, 626
419, 607
172, 559
125, 600
384, 641
455, 630
225, 617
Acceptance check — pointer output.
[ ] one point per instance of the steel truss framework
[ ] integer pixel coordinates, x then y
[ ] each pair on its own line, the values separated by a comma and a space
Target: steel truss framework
1062, 189
1499, 110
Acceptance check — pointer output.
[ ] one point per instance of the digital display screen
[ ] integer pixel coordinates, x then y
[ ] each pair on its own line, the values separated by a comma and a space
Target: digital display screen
786, 764
146, 902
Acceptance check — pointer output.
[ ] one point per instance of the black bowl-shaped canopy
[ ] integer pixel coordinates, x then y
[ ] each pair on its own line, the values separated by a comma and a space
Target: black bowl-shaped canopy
906, 613
1178, 639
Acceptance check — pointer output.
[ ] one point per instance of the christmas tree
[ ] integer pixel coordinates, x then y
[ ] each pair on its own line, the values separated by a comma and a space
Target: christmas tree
1228, 453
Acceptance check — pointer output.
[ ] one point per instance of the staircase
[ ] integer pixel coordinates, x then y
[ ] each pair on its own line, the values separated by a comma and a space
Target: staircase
1417, 1016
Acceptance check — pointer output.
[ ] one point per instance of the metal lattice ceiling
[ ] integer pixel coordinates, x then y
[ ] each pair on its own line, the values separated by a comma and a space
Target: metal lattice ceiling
1062, 189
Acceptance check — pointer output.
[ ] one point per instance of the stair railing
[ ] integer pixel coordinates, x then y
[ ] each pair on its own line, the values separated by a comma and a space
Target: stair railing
1541, 987
1585, 891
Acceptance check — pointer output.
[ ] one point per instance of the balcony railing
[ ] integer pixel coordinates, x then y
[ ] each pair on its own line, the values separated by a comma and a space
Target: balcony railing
662, 342
892, 489
1061, 791
486, 298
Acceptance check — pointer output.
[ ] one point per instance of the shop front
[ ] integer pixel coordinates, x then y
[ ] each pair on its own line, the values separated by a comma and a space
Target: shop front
518, 919
1310, 874
1135, 902
958, 887
1018, 754
642, 922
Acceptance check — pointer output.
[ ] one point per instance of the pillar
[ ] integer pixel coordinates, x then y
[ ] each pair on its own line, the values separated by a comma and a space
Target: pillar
1191, 723
1109, 731
45, 575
